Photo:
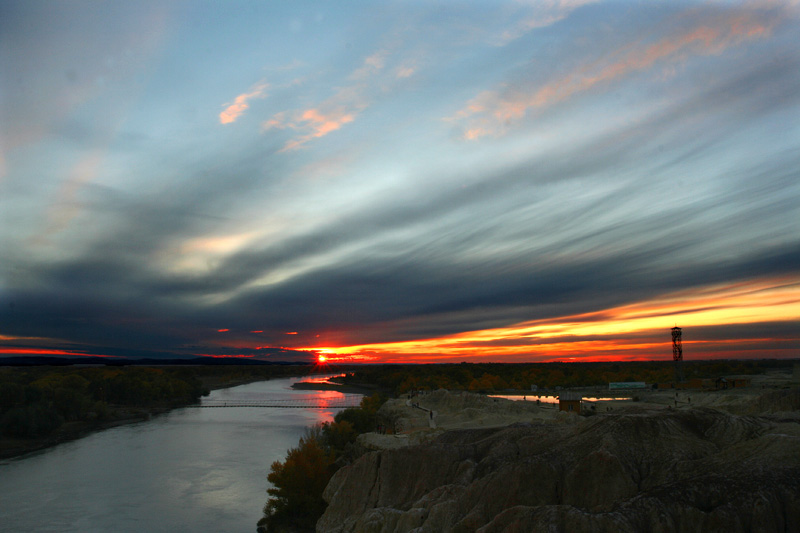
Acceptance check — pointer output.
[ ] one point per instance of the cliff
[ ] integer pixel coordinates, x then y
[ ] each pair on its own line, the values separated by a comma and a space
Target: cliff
640, 470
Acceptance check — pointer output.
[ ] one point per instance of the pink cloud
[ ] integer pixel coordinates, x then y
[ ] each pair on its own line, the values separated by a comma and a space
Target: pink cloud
322, 125
240, 105
314, 122
317, 125
339, 109
491, 111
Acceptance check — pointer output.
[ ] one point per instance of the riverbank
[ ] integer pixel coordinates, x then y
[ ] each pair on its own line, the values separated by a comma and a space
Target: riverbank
11, 448
184, 470
102, 398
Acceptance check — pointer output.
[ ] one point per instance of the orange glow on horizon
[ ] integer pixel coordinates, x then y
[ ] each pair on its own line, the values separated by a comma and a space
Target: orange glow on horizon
48, 351
628, 332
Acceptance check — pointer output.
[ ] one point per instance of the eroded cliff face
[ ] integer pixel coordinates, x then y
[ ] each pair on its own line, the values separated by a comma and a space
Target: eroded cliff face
694, 470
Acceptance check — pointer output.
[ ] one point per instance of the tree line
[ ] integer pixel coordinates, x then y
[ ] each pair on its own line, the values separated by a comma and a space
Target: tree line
494, 377
35, 402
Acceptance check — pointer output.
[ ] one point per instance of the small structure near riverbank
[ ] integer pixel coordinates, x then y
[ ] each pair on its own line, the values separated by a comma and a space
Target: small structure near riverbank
570, 402
625, 385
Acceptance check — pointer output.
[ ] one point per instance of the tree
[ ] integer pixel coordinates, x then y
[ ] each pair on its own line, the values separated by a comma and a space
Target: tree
338, 435
296, 498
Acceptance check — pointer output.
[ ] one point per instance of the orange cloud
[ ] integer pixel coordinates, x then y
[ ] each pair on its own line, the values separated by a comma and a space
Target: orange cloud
314, 122
48, 351
322, 125
334, 112
240, 105
635, 331
491, 111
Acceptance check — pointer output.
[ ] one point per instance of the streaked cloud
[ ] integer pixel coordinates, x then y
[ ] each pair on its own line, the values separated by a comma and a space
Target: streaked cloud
539, 14
239, 105
492, 111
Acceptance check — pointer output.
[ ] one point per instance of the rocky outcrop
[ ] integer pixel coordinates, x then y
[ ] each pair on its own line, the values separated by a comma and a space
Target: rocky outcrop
692, 470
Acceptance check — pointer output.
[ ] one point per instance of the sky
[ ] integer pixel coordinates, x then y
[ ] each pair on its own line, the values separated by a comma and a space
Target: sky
400, 181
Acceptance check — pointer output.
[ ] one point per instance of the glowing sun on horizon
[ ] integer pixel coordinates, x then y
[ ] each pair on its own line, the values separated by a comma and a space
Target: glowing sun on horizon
321, 359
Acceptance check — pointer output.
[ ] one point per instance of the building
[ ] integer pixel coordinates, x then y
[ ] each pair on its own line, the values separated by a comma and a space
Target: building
732, 383
570, 402
625, 385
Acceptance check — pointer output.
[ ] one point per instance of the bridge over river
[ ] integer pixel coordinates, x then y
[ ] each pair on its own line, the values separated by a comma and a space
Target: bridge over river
343, 402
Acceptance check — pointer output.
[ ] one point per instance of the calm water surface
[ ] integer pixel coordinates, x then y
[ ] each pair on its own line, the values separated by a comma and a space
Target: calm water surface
187, 470
553, 399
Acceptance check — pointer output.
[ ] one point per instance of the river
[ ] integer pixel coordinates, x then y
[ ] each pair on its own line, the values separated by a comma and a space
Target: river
186, 470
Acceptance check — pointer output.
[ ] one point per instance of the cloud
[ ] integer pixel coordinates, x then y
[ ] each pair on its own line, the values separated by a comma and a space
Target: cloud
519, 196
333, 113
691, 190
540, 13
372, 65
234, 110
492, 111
764, 310
67, 205
317, 124
500, 249
405, 71
313, 123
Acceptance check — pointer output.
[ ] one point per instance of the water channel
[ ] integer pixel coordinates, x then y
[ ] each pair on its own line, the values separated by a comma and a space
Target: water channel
553, 399
186, 470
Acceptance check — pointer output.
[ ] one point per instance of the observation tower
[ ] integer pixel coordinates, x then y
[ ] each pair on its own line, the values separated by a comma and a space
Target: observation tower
677, 353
